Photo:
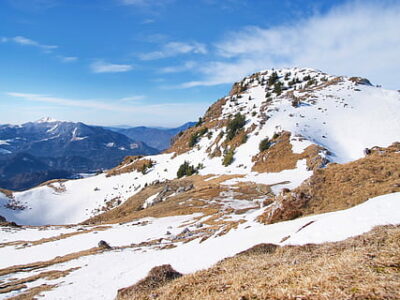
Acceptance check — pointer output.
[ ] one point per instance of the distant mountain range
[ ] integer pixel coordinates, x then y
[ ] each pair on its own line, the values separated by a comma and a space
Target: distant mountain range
159, 138
46, 149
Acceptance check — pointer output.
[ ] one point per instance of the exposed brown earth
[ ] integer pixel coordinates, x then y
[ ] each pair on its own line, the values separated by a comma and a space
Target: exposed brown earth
31, 293
157, 277
181, 143
197, 200
130, 164
6, 192
340, 186
364, 267
24, 244
280, 156
21, 283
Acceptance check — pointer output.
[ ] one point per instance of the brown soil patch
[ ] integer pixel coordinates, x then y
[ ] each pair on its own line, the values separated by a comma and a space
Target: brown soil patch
8, 193
43, 264
181, 143
193, 201
130, 164
157, 277
24, 244
280, 156
18, 284
49, 182
340, 186
31, 293
364, 267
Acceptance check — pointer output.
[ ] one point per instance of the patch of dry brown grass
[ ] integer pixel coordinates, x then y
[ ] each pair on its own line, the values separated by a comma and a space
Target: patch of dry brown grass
130, 164
280, 156
8, 193
31, 293
157, 277
18, 284
43, 264
181, 143
24, 244
195, 200
364, 267
340, 186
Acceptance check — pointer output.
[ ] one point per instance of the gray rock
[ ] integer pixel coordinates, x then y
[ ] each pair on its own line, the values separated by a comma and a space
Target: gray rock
180, 189
104, 245
185, 231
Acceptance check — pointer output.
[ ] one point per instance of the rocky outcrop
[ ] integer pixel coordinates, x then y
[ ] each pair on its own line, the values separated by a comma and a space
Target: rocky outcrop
168, 190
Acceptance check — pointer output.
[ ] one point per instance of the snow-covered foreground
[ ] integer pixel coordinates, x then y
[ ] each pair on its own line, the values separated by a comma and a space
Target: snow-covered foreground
101, 275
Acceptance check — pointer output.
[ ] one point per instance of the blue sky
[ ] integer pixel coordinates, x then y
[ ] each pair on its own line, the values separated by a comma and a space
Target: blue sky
163, 62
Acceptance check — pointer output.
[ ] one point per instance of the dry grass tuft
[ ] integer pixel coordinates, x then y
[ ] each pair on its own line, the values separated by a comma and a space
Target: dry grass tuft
18, 284
197, 200
130, 164
33, 292
364, 267
181, 143
340, 186
157, 277
280, 156
8, 193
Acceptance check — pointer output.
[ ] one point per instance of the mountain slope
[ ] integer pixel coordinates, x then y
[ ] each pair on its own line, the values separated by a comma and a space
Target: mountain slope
322, 271
159, 138
338, 115
288, 155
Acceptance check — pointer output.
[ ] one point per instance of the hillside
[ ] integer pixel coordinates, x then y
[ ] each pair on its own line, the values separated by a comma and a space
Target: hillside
47, 149
312, 271
288, 155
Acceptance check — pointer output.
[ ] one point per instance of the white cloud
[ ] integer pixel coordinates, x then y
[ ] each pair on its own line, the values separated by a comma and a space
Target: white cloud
65, 101
104, 67
28, 42
132, 98
359, 38
67, 59
175, 48
189, 65
140, 112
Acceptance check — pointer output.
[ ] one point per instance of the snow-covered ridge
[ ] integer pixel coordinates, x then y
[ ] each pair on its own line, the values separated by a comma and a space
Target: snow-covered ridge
47, 120
342, 115
338, 116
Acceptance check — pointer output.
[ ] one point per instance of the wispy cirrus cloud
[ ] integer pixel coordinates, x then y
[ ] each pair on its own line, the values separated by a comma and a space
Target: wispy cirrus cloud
64, 101
175, 48
133, 98
101, 66
187, 66
358, 38
24, 41
138, 111
67, 59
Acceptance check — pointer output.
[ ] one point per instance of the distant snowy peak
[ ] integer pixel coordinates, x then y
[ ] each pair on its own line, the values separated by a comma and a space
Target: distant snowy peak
47, 120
